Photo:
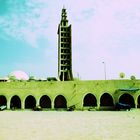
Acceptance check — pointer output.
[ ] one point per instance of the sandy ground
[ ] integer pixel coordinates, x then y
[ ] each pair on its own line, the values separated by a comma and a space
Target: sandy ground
77, 125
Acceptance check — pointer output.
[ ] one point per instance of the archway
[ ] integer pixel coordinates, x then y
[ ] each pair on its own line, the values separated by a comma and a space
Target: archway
127, 99
90, 100
106, 100
15, 102
30, 102
60, 102
45, 102
3, 100
138, 101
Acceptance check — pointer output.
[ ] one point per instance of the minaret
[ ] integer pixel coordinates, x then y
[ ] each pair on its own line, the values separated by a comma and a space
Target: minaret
64, 49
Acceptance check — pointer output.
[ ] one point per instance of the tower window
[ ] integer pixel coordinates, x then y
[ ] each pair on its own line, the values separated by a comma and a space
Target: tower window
65, 34
66, 45
68, 56
68, 39
62, 39
64, 23
62, 45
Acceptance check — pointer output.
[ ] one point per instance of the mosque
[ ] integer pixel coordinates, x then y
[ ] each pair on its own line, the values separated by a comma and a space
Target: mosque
65, 92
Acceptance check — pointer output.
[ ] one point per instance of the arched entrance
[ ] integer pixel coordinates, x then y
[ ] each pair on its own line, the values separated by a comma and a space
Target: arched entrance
45, 102
30, 102
60, 102
106, 100
3, 100
90, 100
15, 102
127, 99
138, 101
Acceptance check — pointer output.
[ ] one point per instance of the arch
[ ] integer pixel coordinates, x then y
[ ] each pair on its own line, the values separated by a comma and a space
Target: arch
138, 101
30, 102
15, 102
45, 102
3, 100
127, 99
106, 100
60, 102
89, 100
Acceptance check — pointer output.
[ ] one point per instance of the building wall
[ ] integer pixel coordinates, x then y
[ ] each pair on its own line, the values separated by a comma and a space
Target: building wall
73, 91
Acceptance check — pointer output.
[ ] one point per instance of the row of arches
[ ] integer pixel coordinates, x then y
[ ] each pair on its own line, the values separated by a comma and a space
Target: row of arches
107, 100
60, 101
30, 102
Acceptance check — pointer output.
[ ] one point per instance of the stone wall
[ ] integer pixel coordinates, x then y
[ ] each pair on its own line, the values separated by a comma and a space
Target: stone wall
73, 91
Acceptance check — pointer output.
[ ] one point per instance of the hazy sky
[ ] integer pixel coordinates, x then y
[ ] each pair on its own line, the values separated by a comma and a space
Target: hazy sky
102, 31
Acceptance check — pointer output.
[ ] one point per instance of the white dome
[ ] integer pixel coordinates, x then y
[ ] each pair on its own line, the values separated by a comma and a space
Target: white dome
19, 75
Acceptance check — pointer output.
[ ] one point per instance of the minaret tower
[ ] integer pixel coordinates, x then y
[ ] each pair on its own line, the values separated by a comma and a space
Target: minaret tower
64, 49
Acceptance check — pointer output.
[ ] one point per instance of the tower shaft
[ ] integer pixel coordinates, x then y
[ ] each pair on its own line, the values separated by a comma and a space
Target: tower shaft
64, 49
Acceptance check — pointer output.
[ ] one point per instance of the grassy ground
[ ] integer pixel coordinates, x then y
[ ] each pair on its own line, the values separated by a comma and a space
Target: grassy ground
77, 125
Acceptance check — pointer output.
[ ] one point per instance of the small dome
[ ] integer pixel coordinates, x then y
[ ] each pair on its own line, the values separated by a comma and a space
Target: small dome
19, 75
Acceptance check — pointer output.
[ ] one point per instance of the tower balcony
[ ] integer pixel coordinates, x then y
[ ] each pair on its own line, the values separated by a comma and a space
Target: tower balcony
65, 53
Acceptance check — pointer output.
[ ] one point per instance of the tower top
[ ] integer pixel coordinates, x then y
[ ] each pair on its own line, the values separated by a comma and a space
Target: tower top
64, 14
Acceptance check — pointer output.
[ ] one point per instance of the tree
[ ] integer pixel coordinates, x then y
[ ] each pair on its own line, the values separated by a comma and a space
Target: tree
133, 77
122, 75
12, 78
31, 78
52, 79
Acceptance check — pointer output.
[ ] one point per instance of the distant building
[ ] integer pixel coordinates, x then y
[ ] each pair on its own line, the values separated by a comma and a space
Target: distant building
64, 49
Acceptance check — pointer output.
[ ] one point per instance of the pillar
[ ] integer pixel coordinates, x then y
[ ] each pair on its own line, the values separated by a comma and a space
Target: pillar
8, 104
98, 103
52, 104
136, 104
22, 104
38, 102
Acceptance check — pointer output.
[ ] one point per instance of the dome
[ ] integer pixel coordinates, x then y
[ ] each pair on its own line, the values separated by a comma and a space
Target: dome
19, 75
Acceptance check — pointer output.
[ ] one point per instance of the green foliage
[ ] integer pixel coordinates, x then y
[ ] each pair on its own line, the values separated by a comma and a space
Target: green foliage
31, 78
133, 77
51, 79
122, 75
12, 78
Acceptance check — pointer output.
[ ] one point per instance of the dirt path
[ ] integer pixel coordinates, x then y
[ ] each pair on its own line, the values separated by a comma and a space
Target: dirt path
52, 125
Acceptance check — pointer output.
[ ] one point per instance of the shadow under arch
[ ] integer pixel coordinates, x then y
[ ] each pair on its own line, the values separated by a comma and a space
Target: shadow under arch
60, 102
89, 100
138, 101
45, 102
3, 100
127, 99
30, 102
106, 100
15, 102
